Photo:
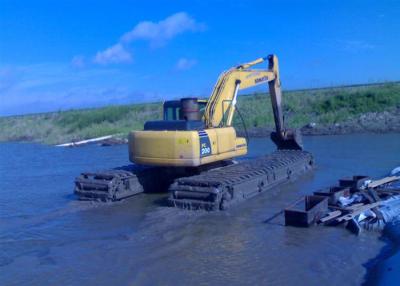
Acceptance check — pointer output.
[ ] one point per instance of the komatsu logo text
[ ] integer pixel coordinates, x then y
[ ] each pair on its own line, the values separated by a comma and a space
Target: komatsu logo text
205, 146
261, 79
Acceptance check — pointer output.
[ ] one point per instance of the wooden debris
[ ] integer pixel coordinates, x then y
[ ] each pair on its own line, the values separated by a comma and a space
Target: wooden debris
383, 181
358, 211
363, 212
355, 206
330, 216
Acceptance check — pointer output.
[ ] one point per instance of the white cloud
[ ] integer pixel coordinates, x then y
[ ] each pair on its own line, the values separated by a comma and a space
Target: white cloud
185, 64
113, 55
158, 33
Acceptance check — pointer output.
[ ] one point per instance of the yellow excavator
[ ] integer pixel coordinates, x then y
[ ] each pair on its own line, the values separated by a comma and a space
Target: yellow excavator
190, 151
195, 137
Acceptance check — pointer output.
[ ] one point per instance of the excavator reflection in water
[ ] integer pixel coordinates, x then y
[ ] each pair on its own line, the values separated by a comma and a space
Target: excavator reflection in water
191, 150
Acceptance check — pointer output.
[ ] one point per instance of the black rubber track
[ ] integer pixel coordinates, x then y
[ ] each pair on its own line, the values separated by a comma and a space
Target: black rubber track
210, 187
220, 188
127, 181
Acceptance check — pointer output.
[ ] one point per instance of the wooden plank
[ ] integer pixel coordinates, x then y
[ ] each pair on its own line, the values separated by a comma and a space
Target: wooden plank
382, 181
355, 206
330, 216
358, 211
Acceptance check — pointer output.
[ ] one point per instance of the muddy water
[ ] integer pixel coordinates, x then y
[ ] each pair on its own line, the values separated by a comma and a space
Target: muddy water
49, 238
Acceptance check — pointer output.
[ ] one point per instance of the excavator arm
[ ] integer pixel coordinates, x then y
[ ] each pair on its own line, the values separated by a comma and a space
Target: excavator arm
221, 105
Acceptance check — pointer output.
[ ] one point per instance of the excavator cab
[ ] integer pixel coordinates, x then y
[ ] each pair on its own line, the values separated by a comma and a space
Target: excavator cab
172, 109
185, 114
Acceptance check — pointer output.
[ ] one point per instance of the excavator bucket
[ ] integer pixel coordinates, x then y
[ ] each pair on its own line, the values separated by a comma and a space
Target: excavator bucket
290, 140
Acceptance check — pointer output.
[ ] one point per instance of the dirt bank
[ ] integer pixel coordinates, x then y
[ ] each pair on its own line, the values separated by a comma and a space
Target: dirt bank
372, 122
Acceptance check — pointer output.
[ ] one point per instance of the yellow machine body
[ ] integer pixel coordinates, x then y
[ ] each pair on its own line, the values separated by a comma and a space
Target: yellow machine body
202, 133
185, 148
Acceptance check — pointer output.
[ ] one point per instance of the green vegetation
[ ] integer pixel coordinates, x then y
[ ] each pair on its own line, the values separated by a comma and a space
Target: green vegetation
60, 127
322, 106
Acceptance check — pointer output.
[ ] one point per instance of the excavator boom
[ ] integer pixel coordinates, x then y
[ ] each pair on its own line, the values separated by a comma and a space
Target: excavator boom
221, 105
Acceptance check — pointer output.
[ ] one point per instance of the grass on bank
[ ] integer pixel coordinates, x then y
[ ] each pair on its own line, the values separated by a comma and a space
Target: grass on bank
66, 126
322, 106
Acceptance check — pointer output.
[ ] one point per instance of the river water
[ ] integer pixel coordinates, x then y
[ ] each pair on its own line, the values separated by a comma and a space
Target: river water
47, 237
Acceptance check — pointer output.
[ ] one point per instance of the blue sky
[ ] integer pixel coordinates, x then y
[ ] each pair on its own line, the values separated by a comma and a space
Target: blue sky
57, 55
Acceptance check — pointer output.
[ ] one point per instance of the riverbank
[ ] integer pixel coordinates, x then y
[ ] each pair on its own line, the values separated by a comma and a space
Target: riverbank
325, 111
371, 122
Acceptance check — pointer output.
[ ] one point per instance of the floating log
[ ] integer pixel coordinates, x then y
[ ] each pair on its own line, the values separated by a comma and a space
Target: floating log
77, 143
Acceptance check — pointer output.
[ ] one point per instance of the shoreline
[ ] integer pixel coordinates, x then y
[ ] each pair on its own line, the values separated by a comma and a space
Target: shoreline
367, 123
331, 111
260, 132
372, 122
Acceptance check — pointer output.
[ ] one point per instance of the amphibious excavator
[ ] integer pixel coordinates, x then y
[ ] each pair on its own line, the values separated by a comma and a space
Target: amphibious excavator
190, 152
